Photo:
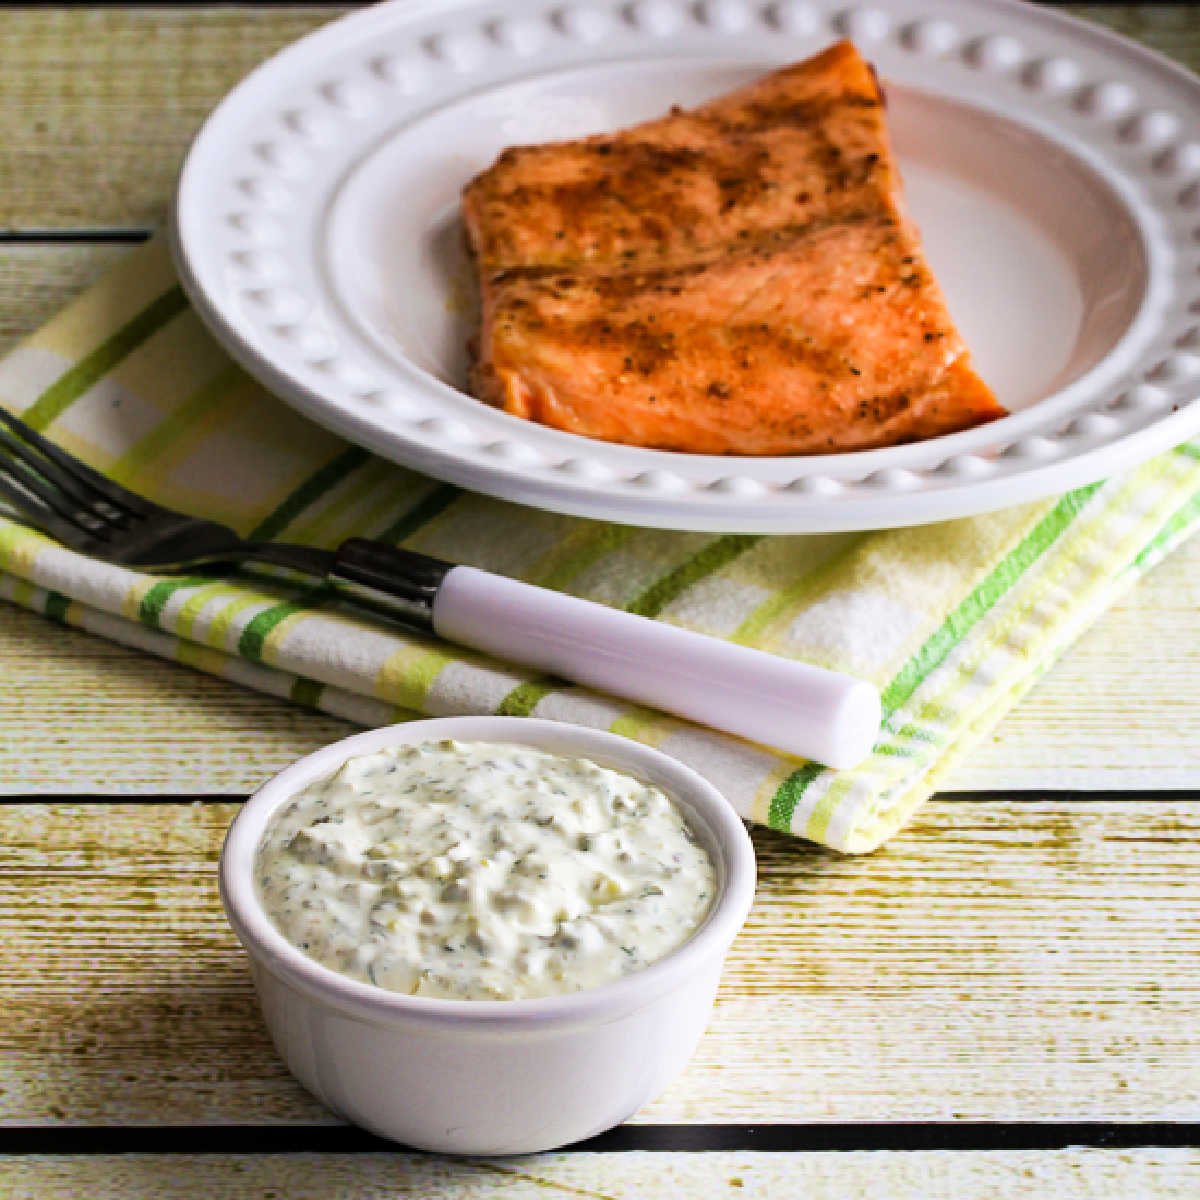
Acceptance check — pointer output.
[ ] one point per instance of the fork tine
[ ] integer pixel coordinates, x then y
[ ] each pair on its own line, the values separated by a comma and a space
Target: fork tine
76, 489
113, 492
17, 474
39, 514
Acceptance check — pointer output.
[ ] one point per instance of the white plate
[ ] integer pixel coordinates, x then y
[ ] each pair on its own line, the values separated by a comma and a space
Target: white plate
1053, 168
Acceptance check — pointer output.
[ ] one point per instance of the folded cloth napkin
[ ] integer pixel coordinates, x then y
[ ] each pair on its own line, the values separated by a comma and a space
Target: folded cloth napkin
953, 622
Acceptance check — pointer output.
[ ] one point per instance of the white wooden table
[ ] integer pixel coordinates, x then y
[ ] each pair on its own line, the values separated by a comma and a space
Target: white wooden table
1004, 1001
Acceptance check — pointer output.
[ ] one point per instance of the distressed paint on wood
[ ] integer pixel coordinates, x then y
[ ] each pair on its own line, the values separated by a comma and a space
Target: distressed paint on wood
1073, 1174
100, 104
73, 719
977, 975
1121, 709
1001, 961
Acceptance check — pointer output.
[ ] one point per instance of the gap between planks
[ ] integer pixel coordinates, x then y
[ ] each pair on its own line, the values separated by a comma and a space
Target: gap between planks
979, 796
56, 237
961, 1137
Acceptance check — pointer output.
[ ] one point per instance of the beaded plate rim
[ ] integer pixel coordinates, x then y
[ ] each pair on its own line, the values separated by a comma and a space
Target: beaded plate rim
248, 263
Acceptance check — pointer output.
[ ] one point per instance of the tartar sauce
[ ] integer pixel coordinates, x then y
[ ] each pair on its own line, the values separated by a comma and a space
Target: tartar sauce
479, 871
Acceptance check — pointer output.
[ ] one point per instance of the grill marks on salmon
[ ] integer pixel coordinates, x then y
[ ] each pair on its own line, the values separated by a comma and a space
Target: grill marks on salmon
739, 278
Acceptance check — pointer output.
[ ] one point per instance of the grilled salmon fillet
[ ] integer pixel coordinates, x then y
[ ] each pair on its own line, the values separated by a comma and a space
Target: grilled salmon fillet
739, 278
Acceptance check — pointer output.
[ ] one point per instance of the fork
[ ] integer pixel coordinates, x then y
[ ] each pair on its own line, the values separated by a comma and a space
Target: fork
799, 708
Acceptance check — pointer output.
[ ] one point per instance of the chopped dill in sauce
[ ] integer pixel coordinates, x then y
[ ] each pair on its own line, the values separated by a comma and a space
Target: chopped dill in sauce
481, 871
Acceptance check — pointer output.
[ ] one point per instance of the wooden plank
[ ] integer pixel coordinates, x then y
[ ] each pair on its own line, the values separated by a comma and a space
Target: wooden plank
100, 104
1121, 709
73, 710
1075, 1174
1003, 960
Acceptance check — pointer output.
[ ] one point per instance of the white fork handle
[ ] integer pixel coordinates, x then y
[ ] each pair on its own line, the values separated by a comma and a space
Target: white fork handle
805, 710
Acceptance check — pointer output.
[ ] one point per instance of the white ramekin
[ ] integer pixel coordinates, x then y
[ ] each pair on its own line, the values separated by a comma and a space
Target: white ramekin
490, 1077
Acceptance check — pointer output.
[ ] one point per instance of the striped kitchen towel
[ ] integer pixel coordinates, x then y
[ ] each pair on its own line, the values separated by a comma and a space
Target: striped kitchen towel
953, 621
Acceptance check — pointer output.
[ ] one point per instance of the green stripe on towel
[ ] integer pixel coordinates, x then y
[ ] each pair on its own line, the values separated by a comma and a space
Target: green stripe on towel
56, 606
308, 493
306, 692
944, 639
90, 369
431, 505
524, 698
703, 563
254, 636
150, 610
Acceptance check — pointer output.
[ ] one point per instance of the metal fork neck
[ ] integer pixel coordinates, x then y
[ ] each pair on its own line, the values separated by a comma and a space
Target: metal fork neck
399, 583
304, 559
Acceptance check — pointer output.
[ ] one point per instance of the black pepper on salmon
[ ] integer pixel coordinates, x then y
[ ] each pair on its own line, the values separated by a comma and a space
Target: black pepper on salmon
739, 278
